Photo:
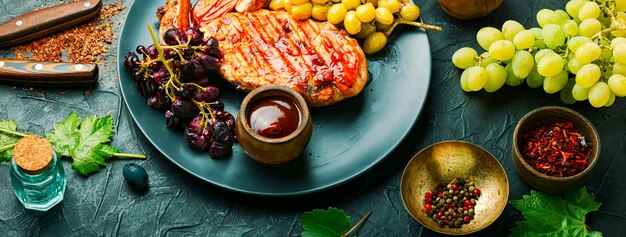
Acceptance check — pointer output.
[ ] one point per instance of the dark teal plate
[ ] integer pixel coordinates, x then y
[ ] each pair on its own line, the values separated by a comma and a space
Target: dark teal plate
348, 138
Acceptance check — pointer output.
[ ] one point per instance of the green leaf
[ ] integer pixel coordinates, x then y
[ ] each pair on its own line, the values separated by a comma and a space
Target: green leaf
7, 139
555, 215
324, 223
64, 137
84, 141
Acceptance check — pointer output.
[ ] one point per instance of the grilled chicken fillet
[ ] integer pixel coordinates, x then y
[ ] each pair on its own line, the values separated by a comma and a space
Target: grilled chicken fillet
264, 47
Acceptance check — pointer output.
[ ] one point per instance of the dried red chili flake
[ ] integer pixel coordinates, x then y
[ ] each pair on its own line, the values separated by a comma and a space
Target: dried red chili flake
556, 150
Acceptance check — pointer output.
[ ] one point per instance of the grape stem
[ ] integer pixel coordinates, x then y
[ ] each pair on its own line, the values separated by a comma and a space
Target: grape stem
615, 24
413, 23
13, 132
357, 224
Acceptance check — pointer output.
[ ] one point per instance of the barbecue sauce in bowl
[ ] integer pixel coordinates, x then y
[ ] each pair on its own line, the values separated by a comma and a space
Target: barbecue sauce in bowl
274, 117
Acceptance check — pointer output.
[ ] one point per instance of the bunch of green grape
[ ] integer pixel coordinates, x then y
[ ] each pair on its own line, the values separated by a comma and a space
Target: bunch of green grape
579, 52
366, 20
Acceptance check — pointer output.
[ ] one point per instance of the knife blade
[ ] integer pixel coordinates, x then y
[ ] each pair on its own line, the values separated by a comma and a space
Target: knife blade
47, 74
46, 21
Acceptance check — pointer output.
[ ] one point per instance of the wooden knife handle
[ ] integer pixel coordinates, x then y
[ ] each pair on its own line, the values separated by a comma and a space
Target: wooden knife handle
44, 74
45, 21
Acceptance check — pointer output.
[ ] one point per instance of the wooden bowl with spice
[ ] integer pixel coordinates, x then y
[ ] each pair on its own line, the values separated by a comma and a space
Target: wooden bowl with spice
454, 188
555, 148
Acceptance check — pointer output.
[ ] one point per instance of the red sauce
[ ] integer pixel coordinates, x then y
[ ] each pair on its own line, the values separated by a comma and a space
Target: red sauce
274, 117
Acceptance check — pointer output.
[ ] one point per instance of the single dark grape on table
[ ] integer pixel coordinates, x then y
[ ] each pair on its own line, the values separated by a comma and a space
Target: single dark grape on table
135, 176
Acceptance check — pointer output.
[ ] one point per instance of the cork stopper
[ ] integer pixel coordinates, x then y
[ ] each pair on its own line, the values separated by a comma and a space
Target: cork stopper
33, 154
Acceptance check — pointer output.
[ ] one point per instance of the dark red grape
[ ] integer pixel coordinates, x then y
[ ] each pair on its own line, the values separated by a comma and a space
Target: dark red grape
131, 60
169, 54
184, 109
137, 76
161, 76
187, 92
141, 50
210, 94
203, 81
145, 87
210, 63
221, 133
172, 37
159, 102
196, 36
197, 136
155, 65
219, 150
171, 121
212, 47
217, 106
187, 71
188, 52
152, 52
198, 66
227, 118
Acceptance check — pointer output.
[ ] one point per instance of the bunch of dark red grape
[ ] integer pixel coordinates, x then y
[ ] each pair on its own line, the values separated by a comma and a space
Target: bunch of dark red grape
176, 79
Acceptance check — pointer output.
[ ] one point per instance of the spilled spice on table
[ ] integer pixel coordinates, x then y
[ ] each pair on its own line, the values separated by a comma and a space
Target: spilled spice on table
556, 150
88, 42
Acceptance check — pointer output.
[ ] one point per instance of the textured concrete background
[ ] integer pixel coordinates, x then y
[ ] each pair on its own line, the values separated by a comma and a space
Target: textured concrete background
179, 205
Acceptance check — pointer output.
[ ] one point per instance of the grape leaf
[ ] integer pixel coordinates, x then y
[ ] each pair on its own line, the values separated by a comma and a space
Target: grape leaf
324, 223
555, 215
7, 139
84, 141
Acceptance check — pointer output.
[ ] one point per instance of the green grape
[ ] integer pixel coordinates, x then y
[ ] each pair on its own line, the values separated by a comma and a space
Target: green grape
534, 79
589, 10
409, 11
588, 75
540, 44
607, 53
566, 92
589, 27
570, 27
502, 50
382, 27
510, 28
392, 5
619, 68
511, 79
588, 52
366, 30
555, 83
384, 16
320, 12
573, 7
577, 41
542, 53
553, 35
550, 65
336, 13
487, 35
487, 59
366, 12
574, 65
352, 4
617, 84
562, 15
464, 83
524, 39
617, 40
374, 42
619, 53
477, 77
599, 94
276, 5
620, 5
579, 93
538, 32
522, 63
302, 11
352, 24
610, 101
547, 16
496, 77
464, 57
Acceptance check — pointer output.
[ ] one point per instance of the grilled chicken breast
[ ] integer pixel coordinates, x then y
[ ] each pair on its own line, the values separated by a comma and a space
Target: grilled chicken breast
316, 59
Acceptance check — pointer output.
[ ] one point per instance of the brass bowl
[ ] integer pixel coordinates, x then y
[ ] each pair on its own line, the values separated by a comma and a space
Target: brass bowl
273, 151
469, 9
544, 116
443, 162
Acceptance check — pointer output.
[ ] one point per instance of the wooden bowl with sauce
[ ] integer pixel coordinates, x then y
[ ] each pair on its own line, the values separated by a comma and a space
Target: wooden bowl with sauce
274, 125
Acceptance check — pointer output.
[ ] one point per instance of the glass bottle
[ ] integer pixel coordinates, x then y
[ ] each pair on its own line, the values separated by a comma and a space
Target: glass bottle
42, 189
